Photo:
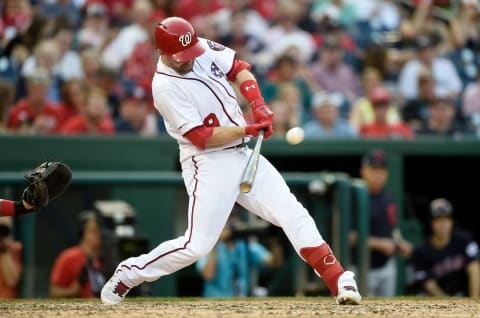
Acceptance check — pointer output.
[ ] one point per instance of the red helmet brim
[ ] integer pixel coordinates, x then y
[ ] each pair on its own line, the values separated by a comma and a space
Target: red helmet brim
190, 53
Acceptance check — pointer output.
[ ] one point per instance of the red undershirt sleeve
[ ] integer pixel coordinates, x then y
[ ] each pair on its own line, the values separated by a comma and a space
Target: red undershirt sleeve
199, 136
237, 66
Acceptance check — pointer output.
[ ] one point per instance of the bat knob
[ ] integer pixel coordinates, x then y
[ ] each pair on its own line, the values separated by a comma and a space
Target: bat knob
245, 188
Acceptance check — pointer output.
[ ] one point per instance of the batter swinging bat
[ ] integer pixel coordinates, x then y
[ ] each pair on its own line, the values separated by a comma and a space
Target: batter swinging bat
251, 167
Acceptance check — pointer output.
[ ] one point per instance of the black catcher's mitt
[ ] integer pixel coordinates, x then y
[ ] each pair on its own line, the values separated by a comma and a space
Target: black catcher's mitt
46, 182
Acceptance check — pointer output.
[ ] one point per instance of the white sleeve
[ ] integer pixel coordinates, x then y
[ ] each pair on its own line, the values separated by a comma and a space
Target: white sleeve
177, 110
222, 56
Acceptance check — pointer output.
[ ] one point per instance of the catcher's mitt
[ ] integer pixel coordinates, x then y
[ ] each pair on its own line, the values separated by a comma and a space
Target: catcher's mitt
46, 182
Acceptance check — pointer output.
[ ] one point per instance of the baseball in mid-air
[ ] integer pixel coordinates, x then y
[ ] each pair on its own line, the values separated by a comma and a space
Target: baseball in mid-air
295, 135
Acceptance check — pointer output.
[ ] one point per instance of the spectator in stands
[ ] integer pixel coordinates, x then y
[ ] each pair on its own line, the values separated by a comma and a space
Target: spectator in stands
135, 116
57, 56
10, 260
374, 17
91, 65
12, 58
69, 64
77, 270
470, 101
46, 55
334, 75
74, 98
7, 91
122, 45
447, 262
342, 11
71, 10
94, 119
285, 36
141, 64
191, 9
443, 71
226, 269
107, 80
430, 18
362, 111
94, 32
385, 239
442, 119
291, 95
466, 27
288, 70
327, 123
15, 19
381, 127
282, 121
243, 29
35, 114
416, 110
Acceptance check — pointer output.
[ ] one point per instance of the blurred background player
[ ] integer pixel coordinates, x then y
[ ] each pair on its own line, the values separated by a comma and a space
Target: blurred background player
447, 262
385, 239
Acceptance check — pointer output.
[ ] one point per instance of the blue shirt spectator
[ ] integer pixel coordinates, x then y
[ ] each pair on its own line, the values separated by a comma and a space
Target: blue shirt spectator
233, 261
327, 122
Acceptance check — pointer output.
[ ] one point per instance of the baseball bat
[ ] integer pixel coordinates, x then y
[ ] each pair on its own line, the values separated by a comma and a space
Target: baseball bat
251, 167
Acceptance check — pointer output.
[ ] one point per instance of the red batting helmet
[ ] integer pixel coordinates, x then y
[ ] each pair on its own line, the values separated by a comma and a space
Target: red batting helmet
177, 38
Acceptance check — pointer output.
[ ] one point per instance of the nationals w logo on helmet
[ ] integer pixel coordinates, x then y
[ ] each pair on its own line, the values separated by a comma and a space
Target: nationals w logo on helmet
185, 39
176, 37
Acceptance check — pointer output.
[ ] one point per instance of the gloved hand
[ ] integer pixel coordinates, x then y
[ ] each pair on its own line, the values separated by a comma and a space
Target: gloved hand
254, 129
261, 111
45, 183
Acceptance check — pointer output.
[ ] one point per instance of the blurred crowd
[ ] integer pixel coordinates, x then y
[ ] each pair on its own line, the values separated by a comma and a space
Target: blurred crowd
338, 68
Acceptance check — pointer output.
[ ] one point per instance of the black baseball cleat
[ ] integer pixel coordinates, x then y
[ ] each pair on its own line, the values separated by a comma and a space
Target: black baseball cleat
347, 290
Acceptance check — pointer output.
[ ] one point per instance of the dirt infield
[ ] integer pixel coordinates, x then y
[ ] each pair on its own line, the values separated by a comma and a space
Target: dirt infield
258, 307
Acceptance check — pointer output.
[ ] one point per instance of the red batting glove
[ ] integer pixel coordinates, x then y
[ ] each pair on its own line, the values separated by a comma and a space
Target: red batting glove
254, 129
251, 92
261, 111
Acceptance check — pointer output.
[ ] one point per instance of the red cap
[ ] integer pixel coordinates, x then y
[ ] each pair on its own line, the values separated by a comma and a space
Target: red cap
177, 38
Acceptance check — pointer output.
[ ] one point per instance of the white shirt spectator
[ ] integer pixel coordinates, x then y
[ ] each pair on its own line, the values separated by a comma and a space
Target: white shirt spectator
380, 13
69, 66
279, 40
443, 71
122, 46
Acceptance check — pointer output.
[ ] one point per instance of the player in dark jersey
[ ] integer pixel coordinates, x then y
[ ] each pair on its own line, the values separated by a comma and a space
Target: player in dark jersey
447, 263
385, 239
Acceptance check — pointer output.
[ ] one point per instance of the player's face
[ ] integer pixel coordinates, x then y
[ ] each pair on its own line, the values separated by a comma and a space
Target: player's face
442, 226
179, 67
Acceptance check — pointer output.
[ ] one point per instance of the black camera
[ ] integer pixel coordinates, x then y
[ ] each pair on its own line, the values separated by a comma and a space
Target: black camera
4, 231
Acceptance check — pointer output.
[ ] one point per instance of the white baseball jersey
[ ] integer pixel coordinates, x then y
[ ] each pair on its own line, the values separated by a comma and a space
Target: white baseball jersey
201, 97
212, 176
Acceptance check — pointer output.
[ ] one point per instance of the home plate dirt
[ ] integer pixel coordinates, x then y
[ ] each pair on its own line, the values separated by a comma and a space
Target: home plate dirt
411, 307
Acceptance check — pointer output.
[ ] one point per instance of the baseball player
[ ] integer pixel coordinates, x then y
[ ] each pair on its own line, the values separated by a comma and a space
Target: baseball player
192, 90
